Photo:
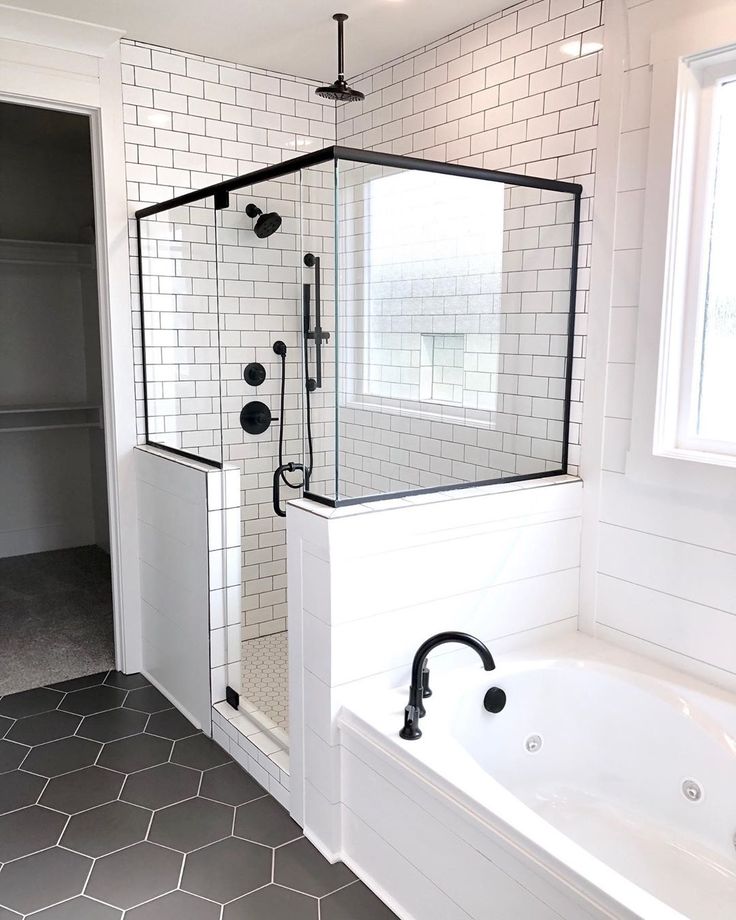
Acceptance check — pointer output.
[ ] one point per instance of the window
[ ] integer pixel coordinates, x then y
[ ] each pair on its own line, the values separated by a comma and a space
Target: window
697, 387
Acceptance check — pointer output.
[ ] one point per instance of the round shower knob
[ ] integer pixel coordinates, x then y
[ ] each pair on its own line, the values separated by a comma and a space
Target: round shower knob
254, 374
255, 417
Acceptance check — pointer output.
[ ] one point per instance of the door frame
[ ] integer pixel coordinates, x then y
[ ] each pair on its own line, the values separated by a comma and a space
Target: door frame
57, 63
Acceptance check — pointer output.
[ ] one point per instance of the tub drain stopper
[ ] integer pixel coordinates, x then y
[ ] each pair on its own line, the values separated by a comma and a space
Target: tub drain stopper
692, 790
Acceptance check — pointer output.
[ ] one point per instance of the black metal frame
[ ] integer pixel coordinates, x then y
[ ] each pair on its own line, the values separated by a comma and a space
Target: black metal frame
220, 193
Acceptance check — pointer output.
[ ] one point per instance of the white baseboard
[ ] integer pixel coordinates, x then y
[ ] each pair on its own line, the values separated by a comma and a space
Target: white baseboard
47, 537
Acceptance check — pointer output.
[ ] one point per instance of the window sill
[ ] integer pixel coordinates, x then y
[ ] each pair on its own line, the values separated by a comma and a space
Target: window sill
692, 455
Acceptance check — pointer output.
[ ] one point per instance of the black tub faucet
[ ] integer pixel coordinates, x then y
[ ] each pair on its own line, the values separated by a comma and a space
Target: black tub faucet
419, 688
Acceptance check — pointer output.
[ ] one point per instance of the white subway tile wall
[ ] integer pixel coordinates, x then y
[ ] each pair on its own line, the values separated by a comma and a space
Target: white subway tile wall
517, 92
191, 122
425, 256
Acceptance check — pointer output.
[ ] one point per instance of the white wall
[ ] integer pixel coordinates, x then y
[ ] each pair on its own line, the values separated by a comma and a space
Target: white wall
663, 578
174, 563
368, 584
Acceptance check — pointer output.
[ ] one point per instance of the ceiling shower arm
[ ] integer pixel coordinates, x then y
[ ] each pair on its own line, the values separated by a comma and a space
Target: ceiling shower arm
340, 19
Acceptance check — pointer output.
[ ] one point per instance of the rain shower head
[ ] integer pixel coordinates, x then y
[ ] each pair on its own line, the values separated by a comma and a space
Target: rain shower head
266, 223
339, 91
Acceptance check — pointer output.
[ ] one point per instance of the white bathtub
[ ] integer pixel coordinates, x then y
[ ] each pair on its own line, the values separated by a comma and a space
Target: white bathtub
468, 823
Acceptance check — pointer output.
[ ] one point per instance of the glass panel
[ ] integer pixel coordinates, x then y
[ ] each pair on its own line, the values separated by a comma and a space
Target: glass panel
259, 279
716, 418
181, 329
454, 297
320, 342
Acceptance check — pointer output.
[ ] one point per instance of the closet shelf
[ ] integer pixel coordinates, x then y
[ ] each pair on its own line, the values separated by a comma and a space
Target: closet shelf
43, 252
50, 417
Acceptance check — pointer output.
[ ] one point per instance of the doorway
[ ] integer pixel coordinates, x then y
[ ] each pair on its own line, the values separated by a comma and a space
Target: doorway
56, 617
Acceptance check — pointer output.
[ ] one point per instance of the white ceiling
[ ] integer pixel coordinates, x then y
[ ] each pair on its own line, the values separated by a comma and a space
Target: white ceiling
291, 36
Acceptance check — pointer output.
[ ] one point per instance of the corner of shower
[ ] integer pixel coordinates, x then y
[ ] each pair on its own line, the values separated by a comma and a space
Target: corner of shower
351, 326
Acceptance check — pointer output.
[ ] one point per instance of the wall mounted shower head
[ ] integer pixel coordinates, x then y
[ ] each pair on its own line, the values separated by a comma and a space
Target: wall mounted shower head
266, 223
339, 91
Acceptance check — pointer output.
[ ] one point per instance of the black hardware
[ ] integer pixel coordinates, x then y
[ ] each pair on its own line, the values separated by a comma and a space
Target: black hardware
494, 700
415, 708
222, 199
266, 223
255, 417
339, 91
277, 477
254, 374
232, 697
316, 335
279, 348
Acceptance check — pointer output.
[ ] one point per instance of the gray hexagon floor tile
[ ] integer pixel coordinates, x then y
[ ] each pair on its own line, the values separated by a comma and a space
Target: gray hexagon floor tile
9, 914
178, 905
43, 879
47, 726
79, 909
29, 830
12, 755
191, 824
30, 702
82, 789
63, 756
147, 699
112, 725
199, 752
134, 875
265, 821
79, 683
227, 870
18, 789
356, 902
135, 753
160, 786
272, 903
107, 828
230, 784
92, 700
301, 866
170, 724
5, 724
126, 681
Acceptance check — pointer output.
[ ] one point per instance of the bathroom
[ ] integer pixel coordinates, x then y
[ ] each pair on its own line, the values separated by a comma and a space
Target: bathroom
416, 400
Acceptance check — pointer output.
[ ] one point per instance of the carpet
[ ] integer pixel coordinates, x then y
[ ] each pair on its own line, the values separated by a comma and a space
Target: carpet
55, 617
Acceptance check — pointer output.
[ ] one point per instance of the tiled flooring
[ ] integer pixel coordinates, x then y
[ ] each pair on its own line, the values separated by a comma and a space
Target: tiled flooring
113, 806
265, 683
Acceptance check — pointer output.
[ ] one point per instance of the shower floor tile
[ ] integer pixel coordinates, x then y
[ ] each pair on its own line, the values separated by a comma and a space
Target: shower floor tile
159, 824
265, 682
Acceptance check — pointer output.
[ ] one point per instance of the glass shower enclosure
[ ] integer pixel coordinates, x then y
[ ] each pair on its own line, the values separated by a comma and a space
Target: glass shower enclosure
427, 311
351, 326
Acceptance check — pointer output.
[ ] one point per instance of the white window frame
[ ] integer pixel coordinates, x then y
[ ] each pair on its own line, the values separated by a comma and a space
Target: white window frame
687, 259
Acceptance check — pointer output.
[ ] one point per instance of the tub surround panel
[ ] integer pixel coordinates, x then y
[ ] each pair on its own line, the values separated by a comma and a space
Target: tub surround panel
579, 828
371, 583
